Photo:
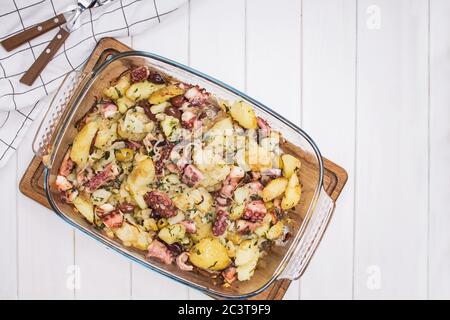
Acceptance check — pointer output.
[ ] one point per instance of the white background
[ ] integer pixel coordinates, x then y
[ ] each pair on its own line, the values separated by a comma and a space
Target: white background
370, 82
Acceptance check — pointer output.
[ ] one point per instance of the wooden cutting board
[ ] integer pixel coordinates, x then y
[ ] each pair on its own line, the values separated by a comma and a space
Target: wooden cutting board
32, 182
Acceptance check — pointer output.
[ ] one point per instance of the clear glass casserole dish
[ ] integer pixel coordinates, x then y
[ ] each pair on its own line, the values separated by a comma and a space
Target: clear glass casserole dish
76, 96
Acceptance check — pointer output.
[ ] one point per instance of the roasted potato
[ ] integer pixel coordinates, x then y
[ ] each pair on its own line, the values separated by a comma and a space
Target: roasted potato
241, 158
209, 254
275, 231
141, 90
164, 94
246, 271
292, 193
100, 196
237, 211
205, 201
231, 249
274, 188
185, 201
170, 127
180, 216
290, 165
257, 157
246, 252
247, 255
82, 144
106, 134
118, 90
244, 114
143, 174
204, 229
223, 125
264, 228
241, 194
234, 237
150, 224
127, 233
159, 108
142, 241
123, 104
134, 125
173, 233
85, 207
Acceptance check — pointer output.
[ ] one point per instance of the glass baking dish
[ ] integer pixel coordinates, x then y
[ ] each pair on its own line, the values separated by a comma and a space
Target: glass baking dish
76, 96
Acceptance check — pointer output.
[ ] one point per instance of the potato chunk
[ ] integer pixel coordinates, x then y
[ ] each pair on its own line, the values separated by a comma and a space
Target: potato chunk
124, 104
292, 193
85, 207
274, 189
117, 91
204, 229
142, 175
172, 234
205, 202
170, 126
222, 126
247, 255
141, 90
127, 233
257, 157
134, 125
244, 114
275, 231
290, 164
106, 135
164, 94
209, 254
82, 144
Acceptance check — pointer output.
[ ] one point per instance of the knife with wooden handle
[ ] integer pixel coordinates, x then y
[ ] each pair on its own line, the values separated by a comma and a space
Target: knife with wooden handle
44, 58
35, 31
70, 19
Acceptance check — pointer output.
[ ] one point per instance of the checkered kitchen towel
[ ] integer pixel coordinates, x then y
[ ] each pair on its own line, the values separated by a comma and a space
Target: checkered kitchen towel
20, 104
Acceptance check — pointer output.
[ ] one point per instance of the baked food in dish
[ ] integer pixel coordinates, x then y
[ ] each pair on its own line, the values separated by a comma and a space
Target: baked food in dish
168, 168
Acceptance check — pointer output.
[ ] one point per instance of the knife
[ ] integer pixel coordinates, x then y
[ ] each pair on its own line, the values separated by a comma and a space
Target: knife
68, 21
39, 29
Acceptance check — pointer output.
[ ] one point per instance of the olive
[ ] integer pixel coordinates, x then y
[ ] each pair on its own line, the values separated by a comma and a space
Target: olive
124, 154
177, 101
176, 248
174, 112
155, 77
162, 223
144, 104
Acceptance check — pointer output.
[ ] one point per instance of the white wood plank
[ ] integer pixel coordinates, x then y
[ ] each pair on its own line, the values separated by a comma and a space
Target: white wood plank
103, 273
391, 163
152, 285
329, 62
439, 246
273, 62
217, 48
8, 230
170, 39
45, 242
217, 40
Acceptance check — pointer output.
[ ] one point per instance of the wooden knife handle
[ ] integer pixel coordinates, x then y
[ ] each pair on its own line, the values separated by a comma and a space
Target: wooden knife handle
32, 32
44, 58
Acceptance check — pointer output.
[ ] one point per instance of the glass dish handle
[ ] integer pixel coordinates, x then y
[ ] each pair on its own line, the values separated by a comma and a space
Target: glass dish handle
311, 239
45, 135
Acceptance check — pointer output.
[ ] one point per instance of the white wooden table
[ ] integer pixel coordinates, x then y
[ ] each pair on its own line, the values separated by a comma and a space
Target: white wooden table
369, 80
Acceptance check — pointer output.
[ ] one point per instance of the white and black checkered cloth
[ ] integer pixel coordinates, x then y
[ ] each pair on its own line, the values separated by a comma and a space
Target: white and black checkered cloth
21, 104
